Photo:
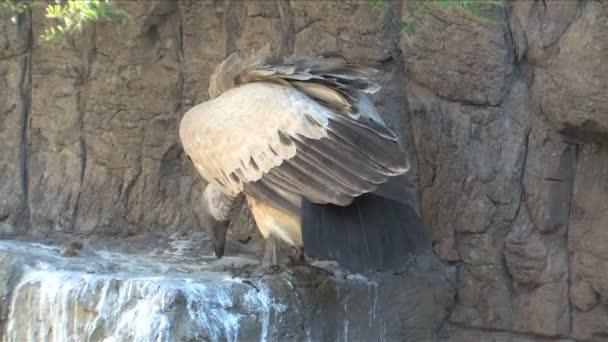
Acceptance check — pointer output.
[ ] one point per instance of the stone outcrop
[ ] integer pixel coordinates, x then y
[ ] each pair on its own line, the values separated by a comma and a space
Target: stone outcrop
506, 125
172, 293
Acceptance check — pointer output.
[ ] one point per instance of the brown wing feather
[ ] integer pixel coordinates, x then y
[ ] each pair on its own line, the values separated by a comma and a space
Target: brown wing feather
330, 149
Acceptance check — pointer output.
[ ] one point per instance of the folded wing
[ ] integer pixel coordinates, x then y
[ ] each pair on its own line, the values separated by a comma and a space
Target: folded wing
281, 130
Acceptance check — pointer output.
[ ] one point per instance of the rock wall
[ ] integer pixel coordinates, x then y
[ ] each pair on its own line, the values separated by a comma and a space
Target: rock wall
507, 126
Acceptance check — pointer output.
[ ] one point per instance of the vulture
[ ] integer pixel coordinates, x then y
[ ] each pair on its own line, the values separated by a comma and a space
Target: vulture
300, 139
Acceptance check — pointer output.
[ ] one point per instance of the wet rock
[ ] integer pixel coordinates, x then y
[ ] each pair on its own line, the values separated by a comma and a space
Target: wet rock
8, 278
91, 297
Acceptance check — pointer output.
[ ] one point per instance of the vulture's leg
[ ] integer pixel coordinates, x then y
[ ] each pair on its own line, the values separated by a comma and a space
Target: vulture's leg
296, 258
270, 252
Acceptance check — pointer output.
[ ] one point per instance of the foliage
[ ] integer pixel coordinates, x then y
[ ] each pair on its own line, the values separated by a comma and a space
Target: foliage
14, 8
66, 16
73, 14
480, 10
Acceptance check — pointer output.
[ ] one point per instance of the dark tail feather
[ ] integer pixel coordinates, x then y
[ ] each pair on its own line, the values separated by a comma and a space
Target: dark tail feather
374, 233
400, 188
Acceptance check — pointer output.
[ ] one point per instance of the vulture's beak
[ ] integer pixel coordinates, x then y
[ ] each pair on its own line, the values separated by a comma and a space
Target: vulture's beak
219, 249
219, 237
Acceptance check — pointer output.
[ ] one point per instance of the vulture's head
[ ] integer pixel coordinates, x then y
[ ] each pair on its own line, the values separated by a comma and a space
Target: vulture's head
216, 213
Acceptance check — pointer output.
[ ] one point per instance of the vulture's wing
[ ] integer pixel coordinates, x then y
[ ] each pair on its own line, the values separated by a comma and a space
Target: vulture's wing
279, 131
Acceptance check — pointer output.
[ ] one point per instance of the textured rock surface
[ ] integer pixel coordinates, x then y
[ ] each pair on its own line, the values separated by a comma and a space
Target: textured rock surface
175, 295
574, 98
15, 54
459, 58
506, 124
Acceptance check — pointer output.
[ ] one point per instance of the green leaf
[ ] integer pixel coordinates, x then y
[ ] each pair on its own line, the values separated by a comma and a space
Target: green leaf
68, 16
484, 11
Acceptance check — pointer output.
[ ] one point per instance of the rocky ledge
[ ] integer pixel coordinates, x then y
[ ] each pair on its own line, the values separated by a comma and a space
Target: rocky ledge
176, 292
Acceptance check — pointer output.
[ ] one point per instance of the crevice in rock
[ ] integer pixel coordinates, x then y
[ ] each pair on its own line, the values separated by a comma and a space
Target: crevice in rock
450, 309
568, 256
179, 91
508, 14
26, 98
233, 25
511, 58
288, 28
151, 34
308, 24
87, 61
524, 163
522, 202
586, 132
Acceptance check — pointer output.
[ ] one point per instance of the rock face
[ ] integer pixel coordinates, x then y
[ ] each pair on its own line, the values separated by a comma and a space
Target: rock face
506, 125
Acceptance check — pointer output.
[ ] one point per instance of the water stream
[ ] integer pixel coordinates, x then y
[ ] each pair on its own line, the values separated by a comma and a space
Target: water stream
111, 296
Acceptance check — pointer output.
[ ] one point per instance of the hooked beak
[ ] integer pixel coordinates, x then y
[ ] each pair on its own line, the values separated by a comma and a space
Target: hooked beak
219, 249
219, 238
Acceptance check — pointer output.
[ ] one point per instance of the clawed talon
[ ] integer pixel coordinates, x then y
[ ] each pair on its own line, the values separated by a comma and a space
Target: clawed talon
296, 258
270, 262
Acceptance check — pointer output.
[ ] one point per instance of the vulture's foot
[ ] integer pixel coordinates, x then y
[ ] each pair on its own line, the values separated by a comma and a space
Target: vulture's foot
296, 258
270, 254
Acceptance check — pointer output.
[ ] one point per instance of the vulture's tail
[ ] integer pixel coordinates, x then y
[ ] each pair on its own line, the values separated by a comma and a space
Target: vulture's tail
374, 233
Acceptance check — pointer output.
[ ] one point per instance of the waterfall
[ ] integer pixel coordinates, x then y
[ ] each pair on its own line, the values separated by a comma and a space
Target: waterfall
115, 296
53, 305
72, 299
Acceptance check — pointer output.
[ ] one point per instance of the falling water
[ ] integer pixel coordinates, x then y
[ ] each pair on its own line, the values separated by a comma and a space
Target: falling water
112, 296
71, 306
50, 303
